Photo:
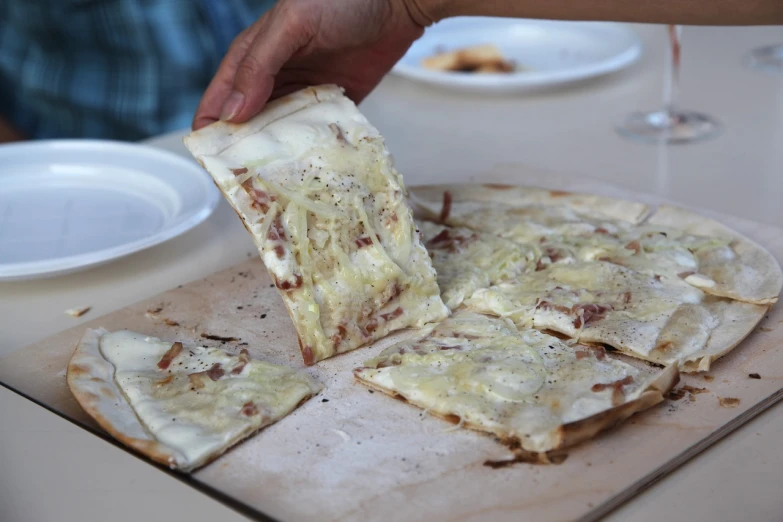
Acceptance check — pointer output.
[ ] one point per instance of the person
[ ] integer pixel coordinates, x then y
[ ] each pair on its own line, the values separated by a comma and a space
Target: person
354, 43
114, 69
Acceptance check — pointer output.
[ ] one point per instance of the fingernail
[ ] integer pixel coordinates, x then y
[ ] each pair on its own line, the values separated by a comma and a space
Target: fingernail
232, 106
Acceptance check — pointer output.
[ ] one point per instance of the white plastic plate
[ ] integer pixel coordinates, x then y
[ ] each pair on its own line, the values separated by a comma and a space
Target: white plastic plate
549, 52
66, 205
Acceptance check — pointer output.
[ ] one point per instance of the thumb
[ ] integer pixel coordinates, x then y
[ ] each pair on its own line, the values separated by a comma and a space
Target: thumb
275, 43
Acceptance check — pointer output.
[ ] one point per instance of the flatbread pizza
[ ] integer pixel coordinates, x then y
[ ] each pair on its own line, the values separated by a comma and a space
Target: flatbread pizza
316, 188
540, 316
668, 287
528, 388
179, 405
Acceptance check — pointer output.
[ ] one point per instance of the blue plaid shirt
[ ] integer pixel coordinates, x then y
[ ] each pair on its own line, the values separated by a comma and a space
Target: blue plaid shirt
114, 69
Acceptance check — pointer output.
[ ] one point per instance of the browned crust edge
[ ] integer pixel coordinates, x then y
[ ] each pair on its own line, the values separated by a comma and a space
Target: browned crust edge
569, 434
754, 255
84, 372
81, 371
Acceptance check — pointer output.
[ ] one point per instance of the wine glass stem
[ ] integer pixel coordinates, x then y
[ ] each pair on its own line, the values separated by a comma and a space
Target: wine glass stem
671, 86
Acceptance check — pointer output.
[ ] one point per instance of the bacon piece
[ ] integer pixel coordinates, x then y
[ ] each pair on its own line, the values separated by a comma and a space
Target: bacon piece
307, 355
442, 237
215, 372
371, 326
598, 351
445, 241
363, 241
456, 347
635, 246
172, 352
392, 315
546, 305
601, 230
627, 297
288, 285
553, 254
396, 291
540, 265
589, 313
244, 358
445, 211
339, 336
249, 409
276, 231
279, 251
261, 199
618, 395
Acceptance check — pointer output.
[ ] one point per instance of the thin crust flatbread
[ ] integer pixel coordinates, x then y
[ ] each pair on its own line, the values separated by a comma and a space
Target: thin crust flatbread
191, 411
529, 389
316, 188
745, 272
737, 280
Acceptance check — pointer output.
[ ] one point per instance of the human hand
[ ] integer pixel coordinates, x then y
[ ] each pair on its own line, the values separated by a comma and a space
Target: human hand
298, 43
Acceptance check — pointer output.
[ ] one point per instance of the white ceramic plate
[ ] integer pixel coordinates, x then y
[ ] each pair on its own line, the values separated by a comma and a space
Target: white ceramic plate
66, 205
550, 52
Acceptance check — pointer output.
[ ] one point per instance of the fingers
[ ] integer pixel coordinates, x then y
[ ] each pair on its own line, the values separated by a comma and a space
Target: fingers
255, 74
219, 88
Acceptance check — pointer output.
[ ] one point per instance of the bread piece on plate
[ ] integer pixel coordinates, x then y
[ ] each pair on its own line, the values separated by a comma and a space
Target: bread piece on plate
181, 406
315, 185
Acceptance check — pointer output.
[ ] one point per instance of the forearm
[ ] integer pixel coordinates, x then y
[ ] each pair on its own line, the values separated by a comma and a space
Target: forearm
685, 12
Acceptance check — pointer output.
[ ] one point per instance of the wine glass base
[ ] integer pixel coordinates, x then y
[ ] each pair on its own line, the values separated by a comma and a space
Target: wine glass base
669, 127
767, 59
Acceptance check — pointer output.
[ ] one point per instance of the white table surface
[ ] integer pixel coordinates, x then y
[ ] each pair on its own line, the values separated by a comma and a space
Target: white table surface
51, 470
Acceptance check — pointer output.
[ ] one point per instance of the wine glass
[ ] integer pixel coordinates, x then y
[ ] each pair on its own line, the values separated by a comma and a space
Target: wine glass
670, 124
767, 59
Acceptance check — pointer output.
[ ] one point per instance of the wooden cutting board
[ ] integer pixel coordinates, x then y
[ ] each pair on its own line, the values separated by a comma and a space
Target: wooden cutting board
350, 454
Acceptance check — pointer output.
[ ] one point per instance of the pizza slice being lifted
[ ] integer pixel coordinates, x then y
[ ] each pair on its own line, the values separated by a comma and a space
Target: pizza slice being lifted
316, 188
182, 406
528, 388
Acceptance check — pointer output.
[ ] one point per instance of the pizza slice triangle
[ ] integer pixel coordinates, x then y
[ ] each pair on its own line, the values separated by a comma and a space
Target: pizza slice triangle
182, 406
315, 185
528, 388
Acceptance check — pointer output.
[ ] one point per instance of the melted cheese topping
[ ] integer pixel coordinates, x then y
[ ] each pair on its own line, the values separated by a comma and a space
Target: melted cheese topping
201, 416
656, 319
328, 213
521, 384
466, 261
527, 224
